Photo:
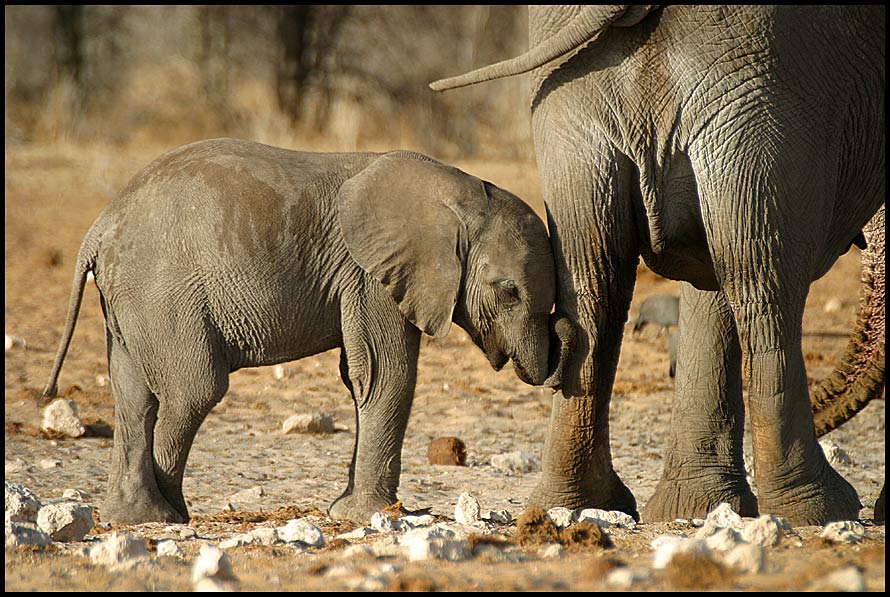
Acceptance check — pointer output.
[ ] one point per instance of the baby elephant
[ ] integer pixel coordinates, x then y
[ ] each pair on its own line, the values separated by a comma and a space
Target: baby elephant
662, 309
226, 254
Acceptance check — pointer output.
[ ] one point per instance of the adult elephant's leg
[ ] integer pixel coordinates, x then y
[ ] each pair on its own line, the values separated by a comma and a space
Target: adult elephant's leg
703, 465
133, 495
378, 364
594, 241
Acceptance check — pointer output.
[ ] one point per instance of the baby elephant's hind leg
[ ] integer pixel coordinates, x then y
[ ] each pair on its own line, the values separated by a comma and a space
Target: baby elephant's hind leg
133, 495
190, 393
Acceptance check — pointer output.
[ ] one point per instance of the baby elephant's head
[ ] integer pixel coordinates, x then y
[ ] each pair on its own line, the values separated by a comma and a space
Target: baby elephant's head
451, 247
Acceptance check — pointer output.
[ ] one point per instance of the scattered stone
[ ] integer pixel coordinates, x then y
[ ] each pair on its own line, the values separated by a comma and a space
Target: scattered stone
424, 520
119, 549
48, 463
435, 543
309, 423
187, 533
102, 380
281, 372
213, 563
21, 503
724, 516
497, 517
248, 495
516, 463
766, 531
846, 579
264, 536
449, 451
745, 558
21, 534
667, 546
835, 454
75, 495
843, 531
606, 518
553, 551
236, 541
66, 521
561, 517
14, 342
383, 523
302, 531
723, 539
170, 549
467, 510
625, 578
359, 533
833, 305
60, 416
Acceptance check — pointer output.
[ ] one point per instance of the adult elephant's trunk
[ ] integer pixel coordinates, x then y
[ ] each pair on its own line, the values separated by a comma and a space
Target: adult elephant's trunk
586, 26
859, 376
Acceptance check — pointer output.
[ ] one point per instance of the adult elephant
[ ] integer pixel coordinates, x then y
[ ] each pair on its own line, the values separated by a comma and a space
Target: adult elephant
740, 150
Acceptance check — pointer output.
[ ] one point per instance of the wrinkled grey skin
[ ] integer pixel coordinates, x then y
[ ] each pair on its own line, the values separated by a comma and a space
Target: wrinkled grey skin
740, 150
226, 254
661, 309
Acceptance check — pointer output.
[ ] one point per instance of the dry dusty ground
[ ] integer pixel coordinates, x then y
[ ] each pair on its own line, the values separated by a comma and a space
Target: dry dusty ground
52, 196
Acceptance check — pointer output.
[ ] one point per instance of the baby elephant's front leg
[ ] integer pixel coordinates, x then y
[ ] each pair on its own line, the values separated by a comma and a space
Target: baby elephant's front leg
380, 371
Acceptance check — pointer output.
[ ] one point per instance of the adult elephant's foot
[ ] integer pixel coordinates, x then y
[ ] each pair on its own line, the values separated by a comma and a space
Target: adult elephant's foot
879, 508
135, 507
358, 507
610, 494
830, 497
695, 496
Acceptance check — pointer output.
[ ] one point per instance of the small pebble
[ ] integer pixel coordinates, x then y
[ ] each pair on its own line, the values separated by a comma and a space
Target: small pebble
467, 510
843, 531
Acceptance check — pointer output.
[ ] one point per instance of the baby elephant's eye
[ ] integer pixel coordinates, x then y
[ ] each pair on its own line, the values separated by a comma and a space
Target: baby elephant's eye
509, 289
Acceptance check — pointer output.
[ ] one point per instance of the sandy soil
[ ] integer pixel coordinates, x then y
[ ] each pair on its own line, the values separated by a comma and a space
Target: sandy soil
52, 196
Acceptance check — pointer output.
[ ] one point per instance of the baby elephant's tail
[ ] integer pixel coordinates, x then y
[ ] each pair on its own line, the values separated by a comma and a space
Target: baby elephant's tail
86, 261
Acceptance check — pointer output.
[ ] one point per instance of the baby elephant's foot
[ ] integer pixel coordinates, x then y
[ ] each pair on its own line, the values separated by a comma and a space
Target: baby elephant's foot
139, 506
694, 497
358, 507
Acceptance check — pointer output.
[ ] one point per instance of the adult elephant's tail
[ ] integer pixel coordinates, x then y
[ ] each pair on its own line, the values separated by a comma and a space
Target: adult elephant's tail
859, 376
585, 27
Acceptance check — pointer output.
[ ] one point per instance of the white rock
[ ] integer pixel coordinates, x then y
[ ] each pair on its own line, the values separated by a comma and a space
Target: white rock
724, 516
667, 546
833, 305
766, 531
61, 416
516, 463
119, 548
102, 380
21, 503
467, 510
170, 549
431, 543
248, 495
14, 342
843, 531
847, 579
236, 540
498, 516
723, 539
383, 523
281, 372
302, 531
423, 520
309, 423
746, 558
359, 533
552, 551
561, 517
19, 534
264, 535
835, 454
75, 495
606, 518
624, 577
48, 463
66, 521
212, 562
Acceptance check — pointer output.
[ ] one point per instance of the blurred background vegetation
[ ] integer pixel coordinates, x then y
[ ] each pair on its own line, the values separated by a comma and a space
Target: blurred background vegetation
337, 78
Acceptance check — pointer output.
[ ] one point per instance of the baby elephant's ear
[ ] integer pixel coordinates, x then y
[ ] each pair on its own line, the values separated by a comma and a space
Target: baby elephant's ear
398, 226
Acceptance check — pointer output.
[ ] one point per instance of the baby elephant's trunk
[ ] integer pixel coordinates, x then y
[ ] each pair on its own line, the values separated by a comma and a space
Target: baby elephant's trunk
563, 345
